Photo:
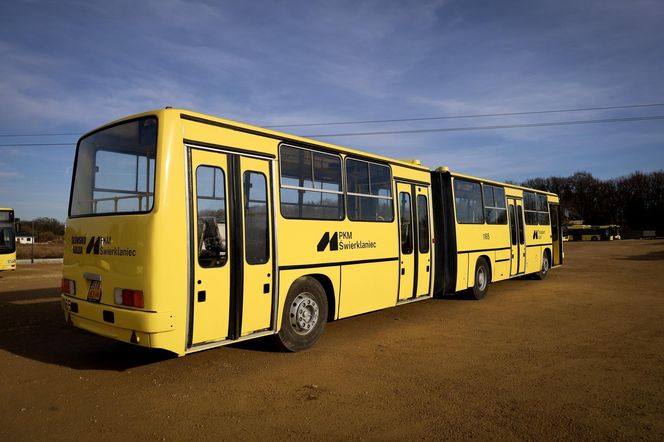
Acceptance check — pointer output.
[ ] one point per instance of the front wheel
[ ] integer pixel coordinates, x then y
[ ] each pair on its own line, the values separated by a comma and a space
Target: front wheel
546, 265
482, 279
304, 316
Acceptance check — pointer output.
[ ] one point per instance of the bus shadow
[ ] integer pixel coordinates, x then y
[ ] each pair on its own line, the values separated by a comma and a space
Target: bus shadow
32, 325
651, 256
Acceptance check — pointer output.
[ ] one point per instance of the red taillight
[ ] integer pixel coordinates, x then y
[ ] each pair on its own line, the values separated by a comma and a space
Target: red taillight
138, 298
129, 298
68, 286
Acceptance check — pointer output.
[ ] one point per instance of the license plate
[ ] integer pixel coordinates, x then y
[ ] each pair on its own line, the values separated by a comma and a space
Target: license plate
94, 292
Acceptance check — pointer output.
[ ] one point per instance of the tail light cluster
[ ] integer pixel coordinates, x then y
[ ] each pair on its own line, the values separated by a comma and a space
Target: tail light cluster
68, 286
129, 297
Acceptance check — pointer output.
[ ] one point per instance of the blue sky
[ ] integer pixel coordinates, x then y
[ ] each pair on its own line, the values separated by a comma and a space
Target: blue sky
69, 66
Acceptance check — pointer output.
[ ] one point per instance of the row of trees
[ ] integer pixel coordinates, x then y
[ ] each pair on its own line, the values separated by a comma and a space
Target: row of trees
634, 201
45, 229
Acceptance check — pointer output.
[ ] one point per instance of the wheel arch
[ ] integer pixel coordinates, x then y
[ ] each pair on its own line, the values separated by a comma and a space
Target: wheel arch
488, 262
328, 287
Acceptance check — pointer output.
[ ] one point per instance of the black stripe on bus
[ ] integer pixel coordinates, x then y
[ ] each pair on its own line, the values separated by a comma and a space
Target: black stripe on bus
340, 263
539, 245
295, 142
195, 143
502, 260
484, 250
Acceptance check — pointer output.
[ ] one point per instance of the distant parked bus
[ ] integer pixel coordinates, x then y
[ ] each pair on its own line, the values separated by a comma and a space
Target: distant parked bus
187, 231
7, 240
608, 232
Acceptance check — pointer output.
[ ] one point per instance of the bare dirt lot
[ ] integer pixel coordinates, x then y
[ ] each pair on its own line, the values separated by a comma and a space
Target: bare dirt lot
577, 356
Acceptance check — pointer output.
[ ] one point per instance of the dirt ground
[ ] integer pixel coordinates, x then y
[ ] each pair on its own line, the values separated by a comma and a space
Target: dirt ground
577, 356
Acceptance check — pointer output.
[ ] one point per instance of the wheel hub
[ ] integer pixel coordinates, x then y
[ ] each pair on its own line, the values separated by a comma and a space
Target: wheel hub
304, 313
481, 278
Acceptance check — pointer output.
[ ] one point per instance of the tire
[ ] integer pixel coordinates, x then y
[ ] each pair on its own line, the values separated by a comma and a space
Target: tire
304, 316
482, 280
594, 238
546, 266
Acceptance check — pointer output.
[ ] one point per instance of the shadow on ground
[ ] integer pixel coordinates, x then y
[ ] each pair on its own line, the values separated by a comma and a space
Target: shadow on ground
32, 325
652, 256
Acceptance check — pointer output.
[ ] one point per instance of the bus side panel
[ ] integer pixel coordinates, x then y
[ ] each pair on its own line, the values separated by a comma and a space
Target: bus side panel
287, 277
462, 272
368, 287
534, 259
500, 268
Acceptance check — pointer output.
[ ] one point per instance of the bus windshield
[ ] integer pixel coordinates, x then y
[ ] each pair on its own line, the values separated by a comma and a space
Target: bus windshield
115, 170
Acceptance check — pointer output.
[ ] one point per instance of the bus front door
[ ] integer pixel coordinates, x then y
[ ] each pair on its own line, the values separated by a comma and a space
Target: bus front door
415, 241
517, 237
231, 247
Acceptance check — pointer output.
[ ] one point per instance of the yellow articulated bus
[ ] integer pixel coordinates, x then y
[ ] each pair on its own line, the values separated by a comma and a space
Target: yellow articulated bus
7, 240
491, 231
187, 232
581, 232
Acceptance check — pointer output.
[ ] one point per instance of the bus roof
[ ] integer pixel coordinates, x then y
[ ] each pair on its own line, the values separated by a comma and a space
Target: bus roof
235, 125
484, 180
245, 127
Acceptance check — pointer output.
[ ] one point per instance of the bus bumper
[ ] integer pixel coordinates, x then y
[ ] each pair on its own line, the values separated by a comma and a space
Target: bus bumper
125, 325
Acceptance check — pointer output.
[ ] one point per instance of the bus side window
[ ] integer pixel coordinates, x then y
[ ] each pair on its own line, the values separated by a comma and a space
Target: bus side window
406, 223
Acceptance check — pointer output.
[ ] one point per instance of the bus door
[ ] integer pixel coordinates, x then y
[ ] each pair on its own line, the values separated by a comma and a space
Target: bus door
556, 235
257, 295
231, 246
517, 237
414, 227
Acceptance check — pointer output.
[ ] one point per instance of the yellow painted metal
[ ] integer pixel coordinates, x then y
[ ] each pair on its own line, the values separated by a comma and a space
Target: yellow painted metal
257, 287
367, 287
424, 258
407, 232
211, 297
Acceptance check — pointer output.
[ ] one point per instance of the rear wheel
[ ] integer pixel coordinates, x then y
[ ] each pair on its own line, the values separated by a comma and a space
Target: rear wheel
304, 316
482, 279
546, 266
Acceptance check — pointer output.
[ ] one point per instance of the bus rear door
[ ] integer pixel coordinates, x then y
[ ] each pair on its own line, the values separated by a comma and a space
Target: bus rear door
231, 227
517, 237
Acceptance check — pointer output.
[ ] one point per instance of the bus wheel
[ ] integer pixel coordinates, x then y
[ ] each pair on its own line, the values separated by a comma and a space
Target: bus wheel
305, 313
594, 238
546, 265
482, 279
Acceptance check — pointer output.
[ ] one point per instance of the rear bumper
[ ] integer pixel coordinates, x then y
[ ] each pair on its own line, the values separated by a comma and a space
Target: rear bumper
116, 323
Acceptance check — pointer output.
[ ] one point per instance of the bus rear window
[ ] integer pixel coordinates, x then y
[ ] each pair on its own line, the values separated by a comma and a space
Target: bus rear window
115, 170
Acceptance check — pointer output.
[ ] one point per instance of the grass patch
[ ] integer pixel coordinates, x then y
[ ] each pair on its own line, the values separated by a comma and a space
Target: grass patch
42, 250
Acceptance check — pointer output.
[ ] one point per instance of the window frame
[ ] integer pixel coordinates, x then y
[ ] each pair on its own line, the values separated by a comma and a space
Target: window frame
537, 211
155, 177
368, 195
213, 198
485, 207
426, 224
313, 189
245, 201
456, 212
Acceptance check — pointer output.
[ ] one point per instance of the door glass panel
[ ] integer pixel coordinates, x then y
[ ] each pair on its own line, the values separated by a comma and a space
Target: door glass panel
211, 216
406, 223
256, 232
423, 223
512, 225
521, 233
